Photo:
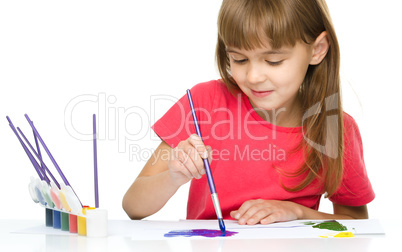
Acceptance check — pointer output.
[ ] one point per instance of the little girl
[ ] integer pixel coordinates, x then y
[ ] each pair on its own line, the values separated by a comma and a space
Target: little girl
273, 126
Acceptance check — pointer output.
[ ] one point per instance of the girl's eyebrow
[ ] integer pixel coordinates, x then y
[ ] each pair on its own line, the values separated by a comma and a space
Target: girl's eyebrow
270, 52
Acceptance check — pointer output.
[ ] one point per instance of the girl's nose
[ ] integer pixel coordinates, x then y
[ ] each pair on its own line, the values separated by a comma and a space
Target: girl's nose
256, 74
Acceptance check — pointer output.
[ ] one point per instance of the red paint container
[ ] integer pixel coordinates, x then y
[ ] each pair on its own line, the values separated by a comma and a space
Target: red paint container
72, 220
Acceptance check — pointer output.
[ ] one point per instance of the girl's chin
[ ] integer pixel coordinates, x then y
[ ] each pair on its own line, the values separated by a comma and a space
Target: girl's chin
258, 105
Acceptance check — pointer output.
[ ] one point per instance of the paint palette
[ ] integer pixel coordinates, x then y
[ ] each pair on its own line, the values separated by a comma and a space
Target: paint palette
63, 209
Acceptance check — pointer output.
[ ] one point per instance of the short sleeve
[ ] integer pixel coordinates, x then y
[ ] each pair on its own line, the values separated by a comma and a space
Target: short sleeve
177, 123
355, 188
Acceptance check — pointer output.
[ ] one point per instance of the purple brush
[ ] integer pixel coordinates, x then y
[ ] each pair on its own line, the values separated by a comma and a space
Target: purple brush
31, 158
47, 151
37, 148
50, 155
33, 150
95, 163
45, 169
210, 179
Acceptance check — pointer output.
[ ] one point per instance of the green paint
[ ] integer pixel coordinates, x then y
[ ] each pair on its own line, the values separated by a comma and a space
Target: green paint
330, 225
309, 223
65, 226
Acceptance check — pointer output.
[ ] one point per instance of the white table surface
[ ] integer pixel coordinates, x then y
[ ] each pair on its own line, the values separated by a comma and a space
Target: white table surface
12, 241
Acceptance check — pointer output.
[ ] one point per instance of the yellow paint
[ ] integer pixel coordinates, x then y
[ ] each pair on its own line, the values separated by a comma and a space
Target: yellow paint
344, 234
82, 225
82, 221
338, 235
84, 210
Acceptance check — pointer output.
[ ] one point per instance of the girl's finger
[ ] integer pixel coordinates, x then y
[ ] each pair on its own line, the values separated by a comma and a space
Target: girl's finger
188, 162
209, 149
270, 219
197, 152
235, 214
247, 216
245, 206
259, 216
248, 209
180, 167
198, 144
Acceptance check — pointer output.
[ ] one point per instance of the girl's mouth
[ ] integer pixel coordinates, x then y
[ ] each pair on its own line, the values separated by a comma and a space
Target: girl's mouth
261, 94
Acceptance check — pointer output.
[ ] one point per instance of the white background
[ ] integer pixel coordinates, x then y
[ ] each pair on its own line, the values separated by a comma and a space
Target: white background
60, 62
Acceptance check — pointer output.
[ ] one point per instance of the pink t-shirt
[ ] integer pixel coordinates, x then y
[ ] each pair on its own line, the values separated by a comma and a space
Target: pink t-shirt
247, 152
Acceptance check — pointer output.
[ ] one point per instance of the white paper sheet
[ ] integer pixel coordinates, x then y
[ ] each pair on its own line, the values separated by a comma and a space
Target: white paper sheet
155, 230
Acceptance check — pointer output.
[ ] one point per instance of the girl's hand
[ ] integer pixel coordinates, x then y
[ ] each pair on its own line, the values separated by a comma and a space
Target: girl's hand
266, 211
186, 160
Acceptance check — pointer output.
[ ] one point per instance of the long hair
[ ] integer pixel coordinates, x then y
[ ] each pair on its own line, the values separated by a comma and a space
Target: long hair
246, 24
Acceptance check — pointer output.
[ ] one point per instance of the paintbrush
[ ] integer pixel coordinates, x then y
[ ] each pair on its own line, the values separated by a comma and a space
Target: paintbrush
210, 179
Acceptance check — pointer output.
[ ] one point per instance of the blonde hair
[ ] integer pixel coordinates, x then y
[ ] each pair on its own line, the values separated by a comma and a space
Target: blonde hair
246, 24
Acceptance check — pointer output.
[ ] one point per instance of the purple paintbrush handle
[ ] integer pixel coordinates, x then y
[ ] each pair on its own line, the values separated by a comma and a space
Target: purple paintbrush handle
47, 151
37, 148
197, 129
95, 163
31, 158
45, 169
50, 155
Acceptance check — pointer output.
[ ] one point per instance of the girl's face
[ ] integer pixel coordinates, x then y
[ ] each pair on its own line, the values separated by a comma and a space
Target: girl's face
270, 78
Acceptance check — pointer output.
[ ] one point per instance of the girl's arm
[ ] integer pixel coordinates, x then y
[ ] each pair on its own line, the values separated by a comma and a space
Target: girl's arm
340, 212
152, 188
162, 175
269, 211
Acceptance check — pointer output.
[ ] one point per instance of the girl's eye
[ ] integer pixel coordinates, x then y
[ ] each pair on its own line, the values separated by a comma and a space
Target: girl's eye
239, 61
274, 63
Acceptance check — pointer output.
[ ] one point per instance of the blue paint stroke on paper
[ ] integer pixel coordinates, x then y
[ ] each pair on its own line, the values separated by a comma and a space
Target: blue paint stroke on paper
199, 232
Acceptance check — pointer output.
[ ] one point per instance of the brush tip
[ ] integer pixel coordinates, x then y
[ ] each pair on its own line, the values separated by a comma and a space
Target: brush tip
222, 226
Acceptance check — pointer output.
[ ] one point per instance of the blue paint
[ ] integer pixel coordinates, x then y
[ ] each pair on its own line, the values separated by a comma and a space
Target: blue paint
199, 232
56, 219
222, 226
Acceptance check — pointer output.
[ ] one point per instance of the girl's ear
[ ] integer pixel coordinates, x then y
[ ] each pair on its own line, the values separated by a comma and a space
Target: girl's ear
320, 48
